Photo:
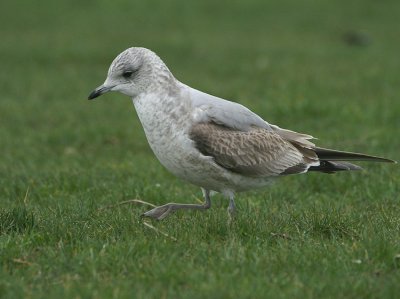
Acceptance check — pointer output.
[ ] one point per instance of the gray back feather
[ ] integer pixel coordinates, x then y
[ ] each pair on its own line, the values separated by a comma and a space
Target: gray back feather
223, 112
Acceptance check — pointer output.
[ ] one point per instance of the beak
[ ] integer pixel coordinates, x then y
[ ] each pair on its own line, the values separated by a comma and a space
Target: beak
99, 91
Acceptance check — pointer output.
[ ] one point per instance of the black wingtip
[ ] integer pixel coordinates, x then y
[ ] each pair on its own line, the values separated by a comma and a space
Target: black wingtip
335, 155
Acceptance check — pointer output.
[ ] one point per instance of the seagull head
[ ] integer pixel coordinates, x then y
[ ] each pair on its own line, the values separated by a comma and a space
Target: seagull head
134, 71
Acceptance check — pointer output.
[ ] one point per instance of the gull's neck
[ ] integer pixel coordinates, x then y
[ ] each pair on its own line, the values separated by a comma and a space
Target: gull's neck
159, 77
165, 106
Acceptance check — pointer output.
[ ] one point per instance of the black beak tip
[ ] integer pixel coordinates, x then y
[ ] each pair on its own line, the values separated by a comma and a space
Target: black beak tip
94, 94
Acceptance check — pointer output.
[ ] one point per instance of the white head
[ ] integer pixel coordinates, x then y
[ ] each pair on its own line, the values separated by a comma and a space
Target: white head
135, 71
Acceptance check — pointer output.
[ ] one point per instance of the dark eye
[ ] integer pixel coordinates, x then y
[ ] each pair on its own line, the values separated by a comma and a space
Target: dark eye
127, 74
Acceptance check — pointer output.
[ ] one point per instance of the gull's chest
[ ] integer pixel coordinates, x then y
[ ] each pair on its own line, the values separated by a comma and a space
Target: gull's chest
163, 119
166, 126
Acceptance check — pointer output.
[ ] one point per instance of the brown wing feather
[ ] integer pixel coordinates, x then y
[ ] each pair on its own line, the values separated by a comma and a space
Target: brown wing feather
258, 152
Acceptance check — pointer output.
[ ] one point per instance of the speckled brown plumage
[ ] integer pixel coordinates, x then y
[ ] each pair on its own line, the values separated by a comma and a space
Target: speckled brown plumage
258, 152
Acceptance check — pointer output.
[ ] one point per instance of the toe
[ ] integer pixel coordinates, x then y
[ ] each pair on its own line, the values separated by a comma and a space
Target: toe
158, 213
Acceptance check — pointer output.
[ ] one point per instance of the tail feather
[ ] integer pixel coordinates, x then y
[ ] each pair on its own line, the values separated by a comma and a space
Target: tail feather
332, 167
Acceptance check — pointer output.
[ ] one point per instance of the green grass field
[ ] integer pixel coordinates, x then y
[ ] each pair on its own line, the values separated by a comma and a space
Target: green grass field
63, 158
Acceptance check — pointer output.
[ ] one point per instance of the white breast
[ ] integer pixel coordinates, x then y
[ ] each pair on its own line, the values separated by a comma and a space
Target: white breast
166, 125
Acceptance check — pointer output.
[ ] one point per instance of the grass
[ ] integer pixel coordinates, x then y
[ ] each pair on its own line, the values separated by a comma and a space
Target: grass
63, 158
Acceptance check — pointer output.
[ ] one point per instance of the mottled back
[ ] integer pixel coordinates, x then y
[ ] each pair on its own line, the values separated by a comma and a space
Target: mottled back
258, 152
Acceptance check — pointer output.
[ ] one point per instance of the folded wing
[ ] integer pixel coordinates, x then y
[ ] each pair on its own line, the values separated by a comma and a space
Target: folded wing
257, 152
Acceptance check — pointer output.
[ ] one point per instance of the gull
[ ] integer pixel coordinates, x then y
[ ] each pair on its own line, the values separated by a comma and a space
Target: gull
213, 143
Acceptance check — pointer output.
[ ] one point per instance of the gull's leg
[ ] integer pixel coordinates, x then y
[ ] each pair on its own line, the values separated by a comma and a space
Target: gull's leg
162, 212
232, 206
